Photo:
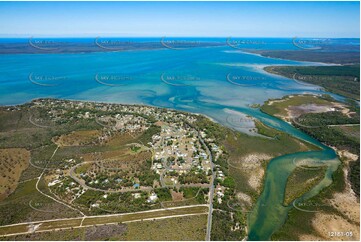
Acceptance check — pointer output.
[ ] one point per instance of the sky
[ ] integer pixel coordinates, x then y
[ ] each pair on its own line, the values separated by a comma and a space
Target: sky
200, 19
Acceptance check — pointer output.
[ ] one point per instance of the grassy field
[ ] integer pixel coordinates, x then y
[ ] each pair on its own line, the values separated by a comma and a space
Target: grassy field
78, 138
104, 232
12, 163
74, 222
19, 206
145, 215
190, 228
19, 129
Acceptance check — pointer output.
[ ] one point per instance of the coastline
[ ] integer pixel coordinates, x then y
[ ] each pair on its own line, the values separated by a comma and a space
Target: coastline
317, 63
269, 71
99, 49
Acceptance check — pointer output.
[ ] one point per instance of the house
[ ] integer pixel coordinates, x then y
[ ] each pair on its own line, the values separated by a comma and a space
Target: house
152, 198
137, 195
53, 183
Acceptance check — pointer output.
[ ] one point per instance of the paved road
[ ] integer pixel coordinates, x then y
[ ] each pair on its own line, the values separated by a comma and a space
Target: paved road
347, 125
35, 124
77, 222
211, 191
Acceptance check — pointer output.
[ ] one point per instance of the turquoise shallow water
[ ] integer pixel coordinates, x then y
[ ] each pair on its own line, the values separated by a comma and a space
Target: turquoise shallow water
200, 74
211, 81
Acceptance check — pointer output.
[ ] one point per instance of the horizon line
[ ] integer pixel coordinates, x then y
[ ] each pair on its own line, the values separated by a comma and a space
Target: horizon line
164, 36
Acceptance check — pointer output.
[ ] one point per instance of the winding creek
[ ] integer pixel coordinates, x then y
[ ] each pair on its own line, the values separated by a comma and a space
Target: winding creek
270, 213
197, 82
